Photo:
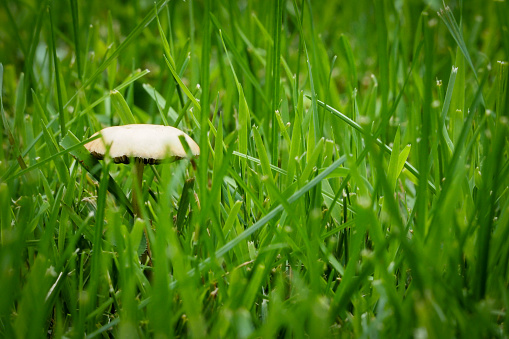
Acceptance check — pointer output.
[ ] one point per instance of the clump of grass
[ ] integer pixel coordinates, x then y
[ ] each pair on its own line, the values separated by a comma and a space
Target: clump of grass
353, 178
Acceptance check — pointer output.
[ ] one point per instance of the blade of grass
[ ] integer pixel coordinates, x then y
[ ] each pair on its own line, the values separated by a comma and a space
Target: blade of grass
275, 83
122, 108
76, 31
61, 113
445, 108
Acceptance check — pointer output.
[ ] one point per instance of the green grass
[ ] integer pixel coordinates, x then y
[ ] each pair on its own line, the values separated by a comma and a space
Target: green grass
353, 178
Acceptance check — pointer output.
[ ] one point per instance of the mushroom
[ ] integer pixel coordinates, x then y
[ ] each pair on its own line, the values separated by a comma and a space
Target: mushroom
145, 144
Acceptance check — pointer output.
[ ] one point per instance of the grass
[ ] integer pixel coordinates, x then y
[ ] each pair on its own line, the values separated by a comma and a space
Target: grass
353, 178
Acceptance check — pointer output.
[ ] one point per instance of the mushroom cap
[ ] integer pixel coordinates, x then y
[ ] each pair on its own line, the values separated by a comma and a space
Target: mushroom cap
149, 143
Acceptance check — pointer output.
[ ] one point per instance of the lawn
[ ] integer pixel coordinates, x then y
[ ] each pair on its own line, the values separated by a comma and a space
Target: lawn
353, 178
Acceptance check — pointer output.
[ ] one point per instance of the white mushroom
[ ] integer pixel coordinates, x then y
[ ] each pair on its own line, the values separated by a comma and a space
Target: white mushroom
149, 143
145, 143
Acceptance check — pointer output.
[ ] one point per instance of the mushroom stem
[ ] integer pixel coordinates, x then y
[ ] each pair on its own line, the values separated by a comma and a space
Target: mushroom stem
138, 179
137, 196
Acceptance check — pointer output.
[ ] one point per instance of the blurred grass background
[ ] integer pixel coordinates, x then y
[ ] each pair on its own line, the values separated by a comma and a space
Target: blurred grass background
353, 178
